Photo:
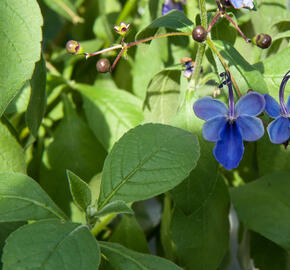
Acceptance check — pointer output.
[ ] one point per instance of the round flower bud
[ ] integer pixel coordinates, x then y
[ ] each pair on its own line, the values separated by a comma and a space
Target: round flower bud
263, 41
74, 47
103, 65
199, 33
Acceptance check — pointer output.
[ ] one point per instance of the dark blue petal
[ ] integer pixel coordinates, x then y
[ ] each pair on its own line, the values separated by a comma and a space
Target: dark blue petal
212, 128
288, 104
207, 107
279, 130
272, 107
229, 150
170, 5
251, 127
251, 104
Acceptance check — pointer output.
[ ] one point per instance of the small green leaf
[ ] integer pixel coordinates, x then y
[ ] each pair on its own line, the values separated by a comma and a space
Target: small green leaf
21, 198
115, 207
64, 8
162, 98
122, 258
51, 245
12, 157
20, 36
246, 75
37, 102
130, 235
110, 112
263, 206
79, 190
154, 156
175, 20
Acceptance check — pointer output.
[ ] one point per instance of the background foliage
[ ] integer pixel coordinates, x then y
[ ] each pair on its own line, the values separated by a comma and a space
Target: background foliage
128, 142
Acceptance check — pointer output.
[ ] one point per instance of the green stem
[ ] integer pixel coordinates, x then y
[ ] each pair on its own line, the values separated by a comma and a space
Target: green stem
130, 4
102, 224
201, 48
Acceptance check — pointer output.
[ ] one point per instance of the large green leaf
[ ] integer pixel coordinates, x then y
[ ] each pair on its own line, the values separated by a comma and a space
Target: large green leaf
200, 226
122, 258
162, 98
51, 245
263, 206
20, 36
273, 69
110, 112
74, 147
11, 153
175, 20
153, 156
37, 102
21, 198
246, 75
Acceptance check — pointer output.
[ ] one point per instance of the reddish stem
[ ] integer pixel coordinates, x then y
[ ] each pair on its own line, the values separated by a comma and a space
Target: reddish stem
212, 23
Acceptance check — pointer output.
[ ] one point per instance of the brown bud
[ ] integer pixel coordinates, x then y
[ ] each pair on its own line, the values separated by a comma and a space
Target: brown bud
263, 41
74, 47
103, 65
199, 33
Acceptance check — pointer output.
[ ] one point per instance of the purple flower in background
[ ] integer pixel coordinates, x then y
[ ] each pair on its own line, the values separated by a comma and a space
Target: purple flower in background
169, 5
189, 66
237, 4
279, 129
228, 127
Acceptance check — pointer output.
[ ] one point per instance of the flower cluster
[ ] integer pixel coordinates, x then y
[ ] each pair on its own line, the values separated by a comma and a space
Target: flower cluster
228, 127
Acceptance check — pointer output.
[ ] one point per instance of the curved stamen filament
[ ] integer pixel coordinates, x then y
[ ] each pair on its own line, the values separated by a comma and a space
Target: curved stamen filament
281, 94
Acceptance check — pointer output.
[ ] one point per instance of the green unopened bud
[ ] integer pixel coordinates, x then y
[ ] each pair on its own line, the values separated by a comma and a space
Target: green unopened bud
74, 47
262, 40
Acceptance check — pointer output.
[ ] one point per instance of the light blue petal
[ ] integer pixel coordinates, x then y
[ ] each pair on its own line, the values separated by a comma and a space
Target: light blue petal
279, 130
237, 4
272, 107
229, 150
288, 104
207, 107
212, 128
251, 104
251, 127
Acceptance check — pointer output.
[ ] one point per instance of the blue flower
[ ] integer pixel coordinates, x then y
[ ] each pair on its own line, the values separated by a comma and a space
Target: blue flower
228, 127
237, 4
169, 5
279, 129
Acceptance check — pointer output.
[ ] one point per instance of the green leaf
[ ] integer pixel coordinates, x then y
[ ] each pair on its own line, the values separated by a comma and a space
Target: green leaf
175, 20
74, 147
115, 207
130, 235
79, 190
50, 245
267, 255
65, 9
148, 62
20, 36
152, 156
263, 206
110, 112
274, 68
246, 75
37, 102
162, 98
199, 225
12, 157
21, 198
122, 258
